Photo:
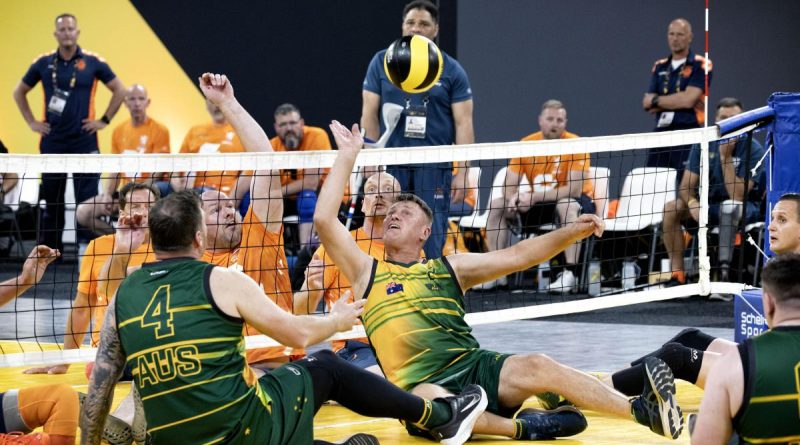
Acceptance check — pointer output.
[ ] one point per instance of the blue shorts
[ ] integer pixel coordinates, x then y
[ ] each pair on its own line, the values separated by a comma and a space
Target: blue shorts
358, 353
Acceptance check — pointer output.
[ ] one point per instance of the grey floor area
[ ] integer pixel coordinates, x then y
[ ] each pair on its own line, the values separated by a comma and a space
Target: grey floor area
598, 341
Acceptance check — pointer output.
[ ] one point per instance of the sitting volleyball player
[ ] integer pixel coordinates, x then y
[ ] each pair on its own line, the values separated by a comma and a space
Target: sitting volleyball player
179, 321
324, 279
414, 317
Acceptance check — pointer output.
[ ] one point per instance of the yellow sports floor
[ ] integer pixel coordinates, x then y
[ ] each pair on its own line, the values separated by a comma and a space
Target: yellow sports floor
334, 422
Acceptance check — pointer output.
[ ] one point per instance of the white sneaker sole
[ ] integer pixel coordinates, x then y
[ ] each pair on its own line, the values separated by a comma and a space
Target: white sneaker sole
465, 429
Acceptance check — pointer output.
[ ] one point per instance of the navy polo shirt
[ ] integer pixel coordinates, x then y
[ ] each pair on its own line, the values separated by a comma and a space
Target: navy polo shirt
66, 135
666, 80
452, 87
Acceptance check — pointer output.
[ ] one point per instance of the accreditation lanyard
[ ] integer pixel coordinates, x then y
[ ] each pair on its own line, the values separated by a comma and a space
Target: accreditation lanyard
74, 72
665, 82
58, 101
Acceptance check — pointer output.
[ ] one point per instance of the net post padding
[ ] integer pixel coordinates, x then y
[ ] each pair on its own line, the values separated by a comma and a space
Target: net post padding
783, 159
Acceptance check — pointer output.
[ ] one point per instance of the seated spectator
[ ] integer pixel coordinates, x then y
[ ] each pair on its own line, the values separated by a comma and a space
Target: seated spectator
323, 278
138, 135
753, 390
462, 191
299, 186
560, 192
8, 181
726, 194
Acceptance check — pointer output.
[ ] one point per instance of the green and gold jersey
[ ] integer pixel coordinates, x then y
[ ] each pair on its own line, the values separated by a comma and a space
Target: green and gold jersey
186, 355
770, 411
414, 318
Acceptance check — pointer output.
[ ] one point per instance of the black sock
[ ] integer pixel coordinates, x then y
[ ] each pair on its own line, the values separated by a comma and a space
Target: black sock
693, 338
368, 394
684, 362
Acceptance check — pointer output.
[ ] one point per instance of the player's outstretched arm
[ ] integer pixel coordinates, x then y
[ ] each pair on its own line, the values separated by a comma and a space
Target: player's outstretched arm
239, 296
32, 271
475, 268
721, 400
265, 187
341, 247
108, 367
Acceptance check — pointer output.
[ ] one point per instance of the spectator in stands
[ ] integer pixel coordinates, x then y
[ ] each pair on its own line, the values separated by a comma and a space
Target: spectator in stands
299, 187
675, 95
753, 390
138, 135
68, 77
91, 297
730, 161
559, 189
8, 181
323, 278
446, 110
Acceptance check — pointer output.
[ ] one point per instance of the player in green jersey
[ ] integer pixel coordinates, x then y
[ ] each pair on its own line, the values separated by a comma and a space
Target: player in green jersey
178, 322
754, 390
434, 354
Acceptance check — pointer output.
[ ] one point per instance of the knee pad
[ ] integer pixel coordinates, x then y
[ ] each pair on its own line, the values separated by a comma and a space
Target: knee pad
306, 203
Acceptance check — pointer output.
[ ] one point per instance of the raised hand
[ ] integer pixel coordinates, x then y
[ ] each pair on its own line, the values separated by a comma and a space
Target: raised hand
130, 233
35, 265
588, 224
346, 314
216, 88
348, 141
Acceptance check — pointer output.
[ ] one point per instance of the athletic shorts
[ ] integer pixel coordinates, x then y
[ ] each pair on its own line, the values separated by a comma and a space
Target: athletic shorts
358, 353
292, 395
545, 213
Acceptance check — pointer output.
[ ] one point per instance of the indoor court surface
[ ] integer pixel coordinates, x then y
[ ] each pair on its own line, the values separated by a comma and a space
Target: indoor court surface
600, 347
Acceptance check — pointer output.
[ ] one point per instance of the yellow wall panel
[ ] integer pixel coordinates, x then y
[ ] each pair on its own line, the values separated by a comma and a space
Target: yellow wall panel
114, 30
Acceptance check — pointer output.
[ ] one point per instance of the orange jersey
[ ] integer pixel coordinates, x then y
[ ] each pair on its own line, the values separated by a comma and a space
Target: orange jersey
260, 256
314, 138
97, 253
214, 138
335, 284
546, 172
469, 193
150, 137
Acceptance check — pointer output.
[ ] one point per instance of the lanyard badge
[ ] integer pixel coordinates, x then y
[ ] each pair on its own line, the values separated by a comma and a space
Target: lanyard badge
416, 119
58, 101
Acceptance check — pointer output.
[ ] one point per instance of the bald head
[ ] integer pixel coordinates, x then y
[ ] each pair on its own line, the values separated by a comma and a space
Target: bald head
380, 191
679, 37
136, 101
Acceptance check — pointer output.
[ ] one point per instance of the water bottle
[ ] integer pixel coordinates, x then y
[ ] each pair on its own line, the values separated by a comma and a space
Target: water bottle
594, 278
629, 274
544, 276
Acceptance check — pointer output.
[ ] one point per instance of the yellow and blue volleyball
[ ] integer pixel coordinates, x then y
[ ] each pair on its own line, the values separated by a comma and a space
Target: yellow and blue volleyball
413, 63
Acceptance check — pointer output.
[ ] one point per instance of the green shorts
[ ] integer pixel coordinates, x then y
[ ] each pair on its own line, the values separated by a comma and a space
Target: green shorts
292, 395
479, 367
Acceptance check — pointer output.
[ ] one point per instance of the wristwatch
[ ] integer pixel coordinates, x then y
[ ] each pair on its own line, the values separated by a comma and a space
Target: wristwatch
654, 101
107, 121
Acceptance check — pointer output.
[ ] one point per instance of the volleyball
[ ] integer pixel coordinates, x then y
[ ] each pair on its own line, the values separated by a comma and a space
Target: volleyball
413, 63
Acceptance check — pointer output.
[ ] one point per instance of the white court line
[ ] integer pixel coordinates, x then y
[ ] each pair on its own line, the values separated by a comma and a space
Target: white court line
358, 422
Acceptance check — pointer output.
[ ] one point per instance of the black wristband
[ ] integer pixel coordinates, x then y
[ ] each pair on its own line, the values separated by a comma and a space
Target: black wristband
107, 121
654, 102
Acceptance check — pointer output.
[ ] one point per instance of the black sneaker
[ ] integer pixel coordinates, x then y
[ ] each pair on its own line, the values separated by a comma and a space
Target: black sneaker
547, 425
550, 400
466, 408
360, 439
657, 408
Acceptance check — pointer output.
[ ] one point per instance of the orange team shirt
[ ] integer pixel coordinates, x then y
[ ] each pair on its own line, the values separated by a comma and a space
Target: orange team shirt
552, 171
97, 252
336, 284
260, 255
150, 137
214, 138
469, 193
314, 138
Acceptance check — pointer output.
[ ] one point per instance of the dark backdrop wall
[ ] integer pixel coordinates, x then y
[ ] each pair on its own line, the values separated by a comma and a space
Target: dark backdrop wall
313, 53
596, 57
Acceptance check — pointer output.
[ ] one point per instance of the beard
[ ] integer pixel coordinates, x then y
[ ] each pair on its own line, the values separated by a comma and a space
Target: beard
292, 140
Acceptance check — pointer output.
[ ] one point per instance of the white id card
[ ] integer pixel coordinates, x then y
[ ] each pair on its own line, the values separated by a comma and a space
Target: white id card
665, 119
57, 102
416, 122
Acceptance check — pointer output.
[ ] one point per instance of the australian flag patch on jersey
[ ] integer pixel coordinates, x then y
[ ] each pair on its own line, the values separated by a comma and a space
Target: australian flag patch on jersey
393, 288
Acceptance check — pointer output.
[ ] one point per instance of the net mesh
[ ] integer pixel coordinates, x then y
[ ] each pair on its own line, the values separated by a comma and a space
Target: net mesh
514, 191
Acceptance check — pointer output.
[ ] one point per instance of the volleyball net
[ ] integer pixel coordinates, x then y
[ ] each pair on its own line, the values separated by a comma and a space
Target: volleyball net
513, 191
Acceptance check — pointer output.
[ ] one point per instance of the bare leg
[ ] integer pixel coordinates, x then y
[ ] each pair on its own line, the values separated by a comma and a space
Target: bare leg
567, 211
674, 212
496, 225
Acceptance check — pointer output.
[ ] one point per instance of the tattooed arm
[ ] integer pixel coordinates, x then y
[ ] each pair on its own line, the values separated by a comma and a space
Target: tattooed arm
107, 370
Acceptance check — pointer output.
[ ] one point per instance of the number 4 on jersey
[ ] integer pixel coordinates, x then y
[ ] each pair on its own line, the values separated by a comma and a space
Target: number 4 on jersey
158, 313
